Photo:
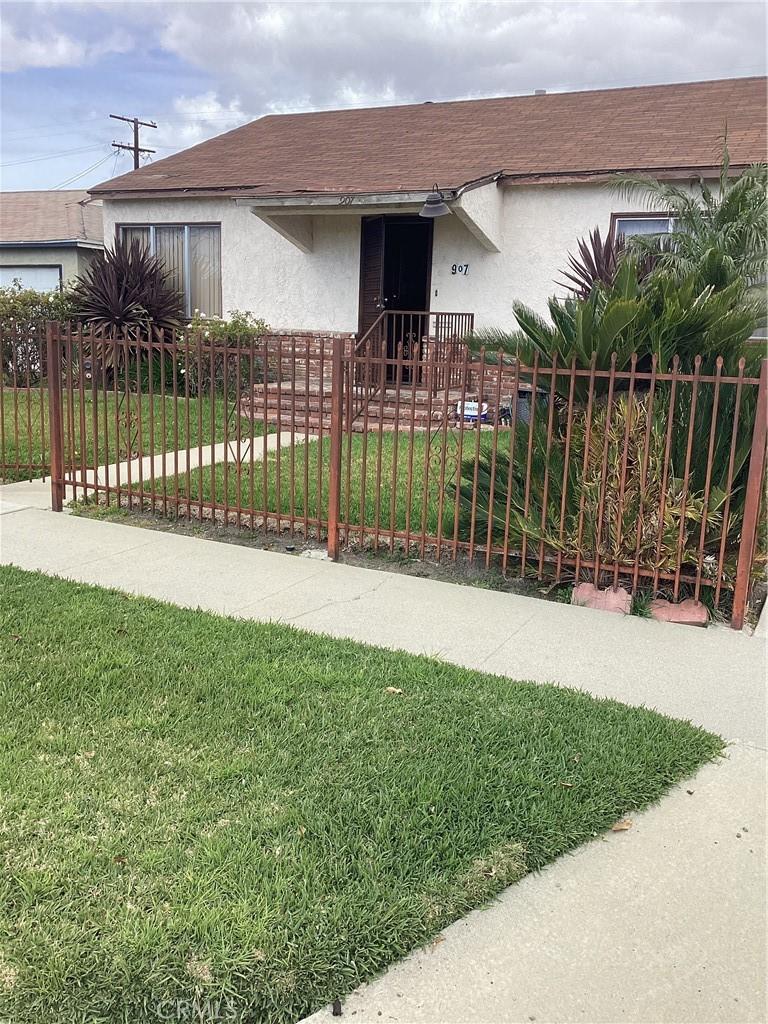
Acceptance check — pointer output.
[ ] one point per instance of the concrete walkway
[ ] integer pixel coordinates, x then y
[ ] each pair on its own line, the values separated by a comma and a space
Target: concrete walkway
666, 922
149, 469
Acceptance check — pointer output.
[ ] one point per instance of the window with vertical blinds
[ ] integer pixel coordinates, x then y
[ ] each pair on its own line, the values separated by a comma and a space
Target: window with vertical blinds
192, 255
169, 247
135, 234
205, 269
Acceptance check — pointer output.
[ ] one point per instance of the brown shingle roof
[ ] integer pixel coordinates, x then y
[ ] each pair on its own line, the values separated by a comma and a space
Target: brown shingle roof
66, 216
409, 147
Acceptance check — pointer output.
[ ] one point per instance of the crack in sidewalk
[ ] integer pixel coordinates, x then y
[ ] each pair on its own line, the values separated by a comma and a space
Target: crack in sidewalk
506, 639
338, 601
276, 593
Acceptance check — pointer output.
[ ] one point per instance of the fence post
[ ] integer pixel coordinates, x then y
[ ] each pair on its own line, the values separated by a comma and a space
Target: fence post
55, 422
334, 484
753, 493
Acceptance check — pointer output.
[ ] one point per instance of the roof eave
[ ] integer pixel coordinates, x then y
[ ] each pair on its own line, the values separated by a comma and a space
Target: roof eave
53, 243
328, 197
576, 177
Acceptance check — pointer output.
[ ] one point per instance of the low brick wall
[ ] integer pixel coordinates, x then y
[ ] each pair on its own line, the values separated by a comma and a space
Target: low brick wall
303, 348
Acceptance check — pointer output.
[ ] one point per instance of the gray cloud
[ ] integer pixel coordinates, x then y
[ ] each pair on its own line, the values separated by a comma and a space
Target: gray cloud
230, 62
297, 55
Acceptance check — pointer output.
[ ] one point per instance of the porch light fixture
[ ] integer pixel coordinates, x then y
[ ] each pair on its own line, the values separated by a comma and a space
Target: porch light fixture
435, 204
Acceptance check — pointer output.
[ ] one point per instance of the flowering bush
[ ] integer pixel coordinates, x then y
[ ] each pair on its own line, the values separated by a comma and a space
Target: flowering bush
241, 325
28, 307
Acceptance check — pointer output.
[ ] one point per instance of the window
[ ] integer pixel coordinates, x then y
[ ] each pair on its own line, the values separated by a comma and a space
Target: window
640, 224
192, 255
39, 279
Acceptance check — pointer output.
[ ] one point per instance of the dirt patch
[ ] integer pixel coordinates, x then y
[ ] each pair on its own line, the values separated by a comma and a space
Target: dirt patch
461, 570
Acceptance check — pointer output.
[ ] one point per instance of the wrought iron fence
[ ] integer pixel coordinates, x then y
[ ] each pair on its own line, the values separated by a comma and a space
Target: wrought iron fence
23, 401
641, 476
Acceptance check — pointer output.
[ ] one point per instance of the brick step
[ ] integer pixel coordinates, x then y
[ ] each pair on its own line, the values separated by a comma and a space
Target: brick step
407, 398
298, 411
312, 424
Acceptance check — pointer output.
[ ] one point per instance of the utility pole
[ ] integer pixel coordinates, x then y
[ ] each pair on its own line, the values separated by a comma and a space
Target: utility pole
135, 148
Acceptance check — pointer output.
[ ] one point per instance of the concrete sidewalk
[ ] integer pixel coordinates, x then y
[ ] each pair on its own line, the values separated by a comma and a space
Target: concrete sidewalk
713, 676
663, 923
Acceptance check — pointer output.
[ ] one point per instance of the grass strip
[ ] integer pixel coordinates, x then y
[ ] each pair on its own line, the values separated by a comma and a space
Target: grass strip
201, 812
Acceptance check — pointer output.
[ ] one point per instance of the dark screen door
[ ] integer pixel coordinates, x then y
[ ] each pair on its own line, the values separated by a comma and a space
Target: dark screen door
371, 271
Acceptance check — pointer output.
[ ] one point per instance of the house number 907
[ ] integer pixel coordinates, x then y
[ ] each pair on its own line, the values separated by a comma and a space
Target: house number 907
460, 268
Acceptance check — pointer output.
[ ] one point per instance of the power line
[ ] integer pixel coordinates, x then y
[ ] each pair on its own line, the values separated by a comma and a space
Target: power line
216, 113
81, 174
135, 148
51, 156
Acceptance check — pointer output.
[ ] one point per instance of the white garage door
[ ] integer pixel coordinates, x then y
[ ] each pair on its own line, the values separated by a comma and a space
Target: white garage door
41, 279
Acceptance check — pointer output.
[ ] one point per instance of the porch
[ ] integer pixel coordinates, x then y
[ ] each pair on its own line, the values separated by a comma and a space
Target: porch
405, 368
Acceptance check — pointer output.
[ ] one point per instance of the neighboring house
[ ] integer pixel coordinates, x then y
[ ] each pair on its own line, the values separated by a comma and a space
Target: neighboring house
48, 238
311, 221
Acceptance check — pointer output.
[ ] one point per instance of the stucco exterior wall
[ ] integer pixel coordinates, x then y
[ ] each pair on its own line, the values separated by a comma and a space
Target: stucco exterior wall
539, 226
534, 227
262, 272
71, 259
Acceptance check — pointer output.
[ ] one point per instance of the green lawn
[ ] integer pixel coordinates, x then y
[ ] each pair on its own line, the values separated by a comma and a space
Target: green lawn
373, 458
199, 809
32, 429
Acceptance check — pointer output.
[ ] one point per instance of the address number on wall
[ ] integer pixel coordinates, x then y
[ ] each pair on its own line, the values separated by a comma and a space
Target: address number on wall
460, 268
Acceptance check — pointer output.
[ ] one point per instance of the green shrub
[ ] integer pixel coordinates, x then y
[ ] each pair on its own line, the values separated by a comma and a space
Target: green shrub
660, 316
241, 326
619, 503
241, 330
26, 307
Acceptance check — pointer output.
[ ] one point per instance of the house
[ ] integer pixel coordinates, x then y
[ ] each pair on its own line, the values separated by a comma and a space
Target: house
48, 238
312, 222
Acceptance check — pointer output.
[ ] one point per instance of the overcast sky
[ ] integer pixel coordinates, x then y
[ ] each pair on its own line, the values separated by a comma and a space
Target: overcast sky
199, 69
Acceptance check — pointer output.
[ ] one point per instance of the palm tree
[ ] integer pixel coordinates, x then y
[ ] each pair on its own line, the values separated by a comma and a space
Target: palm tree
719, 235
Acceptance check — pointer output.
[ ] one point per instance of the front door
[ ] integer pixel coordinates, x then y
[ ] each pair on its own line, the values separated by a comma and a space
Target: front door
395, 271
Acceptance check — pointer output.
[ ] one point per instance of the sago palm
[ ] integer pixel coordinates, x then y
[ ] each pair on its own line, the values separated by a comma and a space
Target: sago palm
663, 316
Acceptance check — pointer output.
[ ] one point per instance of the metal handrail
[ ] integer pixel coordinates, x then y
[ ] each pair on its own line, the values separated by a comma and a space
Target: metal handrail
367, 334
364, 391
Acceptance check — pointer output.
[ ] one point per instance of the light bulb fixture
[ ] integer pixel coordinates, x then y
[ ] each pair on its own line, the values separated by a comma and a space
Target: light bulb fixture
435, 204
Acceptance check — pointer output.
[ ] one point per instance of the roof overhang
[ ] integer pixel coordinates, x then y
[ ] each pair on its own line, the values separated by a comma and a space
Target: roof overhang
291, 215
62, 243
357, 202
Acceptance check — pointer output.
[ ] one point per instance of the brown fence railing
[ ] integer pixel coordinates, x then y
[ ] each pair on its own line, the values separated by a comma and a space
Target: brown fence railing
414, 333
23, 402
641, 476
